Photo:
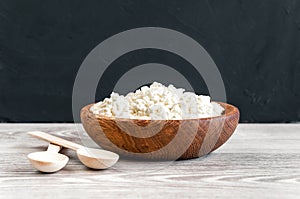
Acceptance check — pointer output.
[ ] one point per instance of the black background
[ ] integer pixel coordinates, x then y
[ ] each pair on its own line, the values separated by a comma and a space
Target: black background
255, 44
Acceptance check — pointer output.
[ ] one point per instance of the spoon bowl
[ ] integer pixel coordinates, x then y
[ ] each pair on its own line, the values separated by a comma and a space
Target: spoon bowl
96, 158
48, 161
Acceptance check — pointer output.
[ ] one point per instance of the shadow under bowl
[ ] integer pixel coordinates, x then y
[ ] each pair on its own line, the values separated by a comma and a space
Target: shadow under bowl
161, 139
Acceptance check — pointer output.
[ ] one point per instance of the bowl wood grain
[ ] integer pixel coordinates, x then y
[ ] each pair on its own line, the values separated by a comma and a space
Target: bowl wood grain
161, 139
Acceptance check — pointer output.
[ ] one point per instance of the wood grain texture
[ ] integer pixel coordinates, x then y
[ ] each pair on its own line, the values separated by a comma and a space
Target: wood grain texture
162, 139
259, 161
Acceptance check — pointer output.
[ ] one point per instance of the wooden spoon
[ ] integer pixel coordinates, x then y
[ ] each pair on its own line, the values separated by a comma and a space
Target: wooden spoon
48, 161
90, 157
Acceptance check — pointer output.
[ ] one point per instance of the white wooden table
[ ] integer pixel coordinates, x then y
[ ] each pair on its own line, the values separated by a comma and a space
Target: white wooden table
259, 161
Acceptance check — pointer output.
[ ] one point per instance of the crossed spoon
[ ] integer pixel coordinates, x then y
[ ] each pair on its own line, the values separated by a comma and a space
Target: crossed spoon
51, 161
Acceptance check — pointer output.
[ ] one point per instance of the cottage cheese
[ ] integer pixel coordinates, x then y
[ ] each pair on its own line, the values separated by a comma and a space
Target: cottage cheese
158, 102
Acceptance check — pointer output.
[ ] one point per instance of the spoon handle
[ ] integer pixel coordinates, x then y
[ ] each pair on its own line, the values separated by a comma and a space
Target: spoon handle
54, 148
55, 140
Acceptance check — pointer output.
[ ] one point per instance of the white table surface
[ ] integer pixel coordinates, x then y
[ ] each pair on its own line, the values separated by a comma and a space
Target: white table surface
259, 161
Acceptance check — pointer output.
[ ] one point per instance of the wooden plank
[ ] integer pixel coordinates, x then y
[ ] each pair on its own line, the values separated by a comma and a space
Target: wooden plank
259, 161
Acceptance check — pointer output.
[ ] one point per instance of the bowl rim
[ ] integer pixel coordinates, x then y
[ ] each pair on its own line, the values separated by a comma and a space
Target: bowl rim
229, 111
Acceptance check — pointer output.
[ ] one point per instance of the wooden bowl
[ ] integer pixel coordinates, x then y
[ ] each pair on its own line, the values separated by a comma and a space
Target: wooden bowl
161, 139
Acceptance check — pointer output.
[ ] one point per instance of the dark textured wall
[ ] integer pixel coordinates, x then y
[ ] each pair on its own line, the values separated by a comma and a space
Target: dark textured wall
255, 44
